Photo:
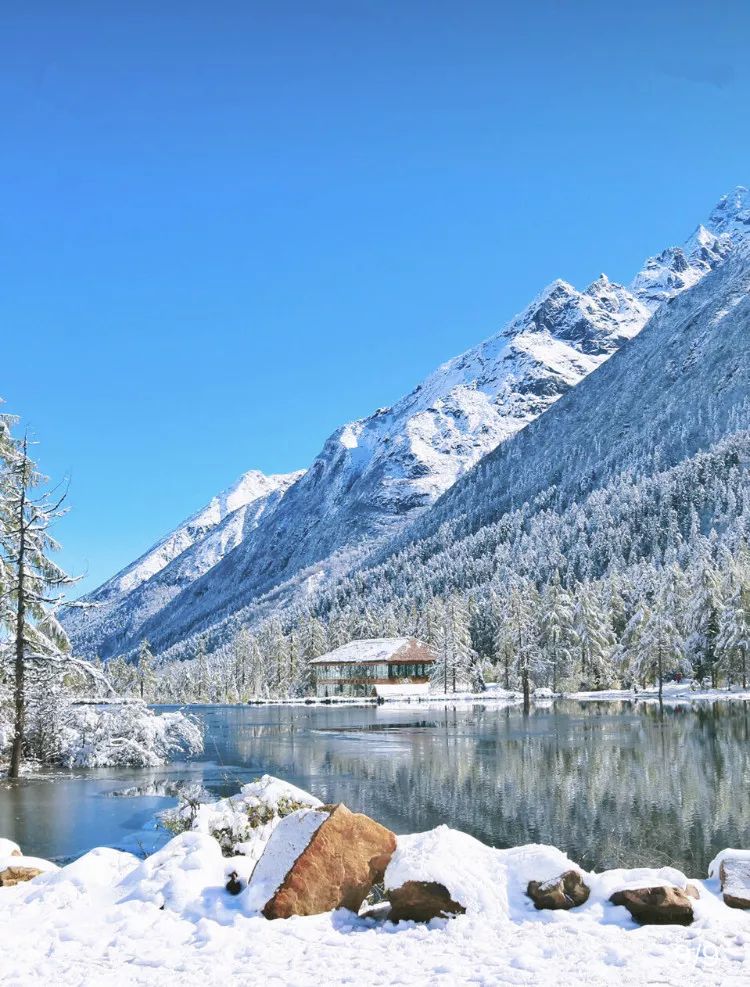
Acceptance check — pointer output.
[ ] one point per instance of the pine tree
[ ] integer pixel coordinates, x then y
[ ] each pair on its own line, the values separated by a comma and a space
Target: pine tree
733, 641
558, 638
704, 621
33, 585
596, 640
521, 616
145, 671
657, 647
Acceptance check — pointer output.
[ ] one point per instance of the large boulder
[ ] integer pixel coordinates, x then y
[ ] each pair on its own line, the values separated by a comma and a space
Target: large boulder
420, 901
734, 874
656, 906
320, 859
566, 891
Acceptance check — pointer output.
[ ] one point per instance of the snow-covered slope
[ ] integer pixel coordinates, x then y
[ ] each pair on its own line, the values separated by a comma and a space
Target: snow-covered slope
671, 399
376, 474
140, 590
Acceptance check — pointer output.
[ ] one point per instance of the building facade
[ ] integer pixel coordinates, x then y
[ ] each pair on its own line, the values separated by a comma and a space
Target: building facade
360, 668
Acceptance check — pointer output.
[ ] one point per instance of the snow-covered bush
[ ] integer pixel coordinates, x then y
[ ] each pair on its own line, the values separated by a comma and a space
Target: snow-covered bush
127, 734
60, 730
242, 823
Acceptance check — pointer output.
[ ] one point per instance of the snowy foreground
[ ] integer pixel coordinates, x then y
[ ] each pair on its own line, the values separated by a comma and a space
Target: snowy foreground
110, 918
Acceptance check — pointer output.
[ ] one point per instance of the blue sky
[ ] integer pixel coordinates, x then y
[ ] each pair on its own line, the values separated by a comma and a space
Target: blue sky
229, 227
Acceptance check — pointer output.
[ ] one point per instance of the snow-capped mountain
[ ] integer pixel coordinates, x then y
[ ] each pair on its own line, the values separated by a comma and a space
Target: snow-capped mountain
141, 589
376, 474
624, 462
678, 268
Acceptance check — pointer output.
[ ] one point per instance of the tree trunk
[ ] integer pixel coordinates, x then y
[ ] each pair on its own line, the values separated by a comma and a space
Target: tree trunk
526, 690
661, 674
19, 692
554, 673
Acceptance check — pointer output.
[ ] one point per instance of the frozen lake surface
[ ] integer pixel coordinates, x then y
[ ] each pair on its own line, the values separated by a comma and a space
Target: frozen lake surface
611, 784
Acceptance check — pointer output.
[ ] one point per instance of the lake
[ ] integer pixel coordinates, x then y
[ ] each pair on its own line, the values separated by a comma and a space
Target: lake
612, 784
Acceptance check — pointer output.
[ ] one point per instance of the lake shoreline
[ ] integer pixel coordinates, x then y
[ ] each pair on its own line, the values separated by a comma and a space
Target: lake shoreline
672, 693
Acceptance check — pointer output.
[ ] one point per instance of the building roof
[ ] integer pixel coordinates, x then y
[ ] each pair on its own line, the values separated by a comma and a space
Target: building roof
369, 650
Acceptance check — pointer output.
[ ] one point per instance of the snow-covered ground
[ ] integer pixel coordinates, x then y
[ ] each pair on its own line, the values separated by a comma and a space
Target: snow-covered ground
110, 918
673, 693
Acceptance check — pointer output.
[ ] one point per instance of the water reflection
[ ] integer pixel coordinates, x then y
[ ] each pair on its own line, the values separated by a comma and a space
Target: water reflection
612, 784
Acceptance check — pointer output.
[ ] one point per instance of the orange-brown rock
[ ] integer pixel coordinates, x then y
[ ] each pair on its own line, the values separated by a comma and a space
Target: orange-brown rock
734, 874
346, 856
420, 901
565, 891
656, 906
691, 891
16, 875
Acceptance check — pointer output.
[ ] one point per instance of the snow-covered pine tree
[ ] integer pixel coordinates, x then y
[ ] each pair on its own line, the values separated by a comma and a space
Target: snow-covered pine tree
557, 634
524, 634
145, 671
733, 642
657, 647
39, 648
503, 642
704, 618
315, 641
464, 669
596, 639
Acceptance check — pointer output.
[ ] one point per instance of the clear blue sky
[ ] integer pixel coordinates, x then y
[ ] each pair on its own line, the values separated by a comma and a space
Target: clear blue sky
229, 227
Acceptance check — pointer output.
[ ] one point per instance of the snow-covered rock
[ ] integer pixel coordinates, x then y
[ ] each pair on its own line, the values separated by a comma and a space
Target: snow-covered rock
16, 869
318, 860
289, 840
481, 879
733, 869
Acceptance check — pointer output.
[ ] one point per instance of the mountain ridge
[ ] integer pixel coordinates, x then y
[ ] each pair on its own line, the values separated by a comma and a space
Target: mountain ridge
375, 475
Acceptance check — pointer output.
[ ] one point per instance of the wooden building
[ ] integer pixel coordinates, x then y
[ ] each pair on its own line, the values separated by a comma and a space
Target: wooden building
373, 666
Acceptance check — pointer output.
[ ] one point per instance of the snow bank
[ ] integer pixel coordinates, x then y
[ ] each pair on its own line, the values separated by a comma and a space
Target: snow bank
100, 921
177, 876
38, 863
484, 880
7, 847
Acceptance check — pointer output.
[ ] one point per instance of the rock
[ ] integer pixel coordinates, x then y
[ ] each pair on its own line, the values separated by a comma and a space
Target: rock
420, 901
656, 906
234, 885
734, 874
346, 855
565, 891
691, 891
16, 875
